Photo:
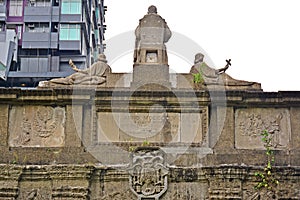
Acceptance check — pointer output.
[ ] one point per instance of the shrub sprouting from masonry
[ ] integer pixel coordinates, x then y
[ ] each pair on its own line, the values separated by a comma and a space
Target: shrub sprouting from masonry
266, 178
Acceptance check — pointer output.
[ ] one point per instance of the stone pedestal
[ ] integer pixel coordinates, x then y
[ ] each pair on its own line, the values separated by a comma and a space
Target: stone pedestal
150, 74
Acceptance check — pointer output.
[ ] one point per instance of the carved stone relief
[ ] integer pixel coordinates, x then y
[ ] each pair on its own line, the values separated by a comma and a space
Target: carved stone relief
186, 190
153, 127
35, 194
148, 173
113, 188
156, 127
249, 192
225, 189
36, 126
250, 123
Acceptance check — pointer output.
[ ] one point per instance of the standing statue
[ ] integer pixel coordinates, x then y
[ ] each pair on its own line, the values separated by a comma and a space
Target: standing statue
151, 35
95, 75
213, 76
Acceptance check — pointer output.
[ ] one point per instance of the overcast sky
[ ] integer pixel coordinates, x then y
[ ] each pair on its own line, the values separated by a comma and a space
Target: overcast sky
262, 37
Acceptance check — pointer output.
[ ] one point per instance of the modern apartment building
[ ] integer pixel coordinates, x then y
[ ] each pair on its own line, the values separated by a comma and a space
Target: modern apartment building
38, 37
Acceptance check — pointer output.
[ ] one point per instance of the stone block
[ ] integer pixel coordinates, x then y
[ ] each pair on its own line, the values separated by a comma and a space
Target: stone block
118, 80
4, 125
186, 190
295, 126
194, 127
89, 136
73, 125
107, 126
117, 190
36, 189
150, 74
184, 81
36, 126
222, 129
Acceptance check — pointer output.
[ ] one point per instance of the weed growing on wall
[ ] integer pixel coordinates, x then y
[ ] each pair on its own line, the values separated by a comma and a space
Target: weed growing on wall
266, 178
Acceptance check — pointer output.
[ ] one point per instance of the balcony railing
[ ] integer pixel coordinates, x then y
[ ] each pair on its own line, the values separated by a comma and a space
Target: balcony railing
41, 14
40, 40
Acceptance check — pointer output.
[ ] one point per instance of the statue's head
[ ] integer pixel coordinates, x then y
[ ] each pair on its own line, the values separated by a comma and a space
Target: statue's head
199, 58
102, 58
152, 10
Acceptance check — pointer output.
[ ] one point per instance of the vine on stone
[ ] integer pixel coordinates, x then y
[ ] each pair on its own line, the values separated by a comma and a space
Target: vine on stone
266, 178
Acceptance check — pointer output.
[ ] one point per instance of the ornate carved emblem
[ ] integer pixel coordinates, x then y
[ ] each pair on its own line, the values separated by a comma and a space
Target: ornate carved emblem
37, 126
148, 173
45, 122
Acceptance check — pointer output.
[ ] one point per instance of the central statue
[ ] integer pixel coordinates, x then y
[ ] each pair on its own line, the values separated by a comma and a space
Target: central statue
150, 54
151, 35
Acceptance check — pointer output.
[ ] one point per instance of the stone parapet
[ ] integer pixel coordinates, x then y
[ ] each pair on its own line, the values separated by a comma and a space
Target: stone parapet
78, 143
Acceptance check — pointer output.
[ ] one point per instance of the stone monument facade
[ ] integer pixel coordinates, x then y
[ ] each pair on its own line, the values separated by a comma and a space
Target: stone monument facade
91, 136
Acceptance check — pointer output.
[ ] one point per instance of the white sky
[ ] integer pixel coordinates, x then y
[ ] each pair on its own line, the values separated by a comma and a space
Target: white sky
262, 37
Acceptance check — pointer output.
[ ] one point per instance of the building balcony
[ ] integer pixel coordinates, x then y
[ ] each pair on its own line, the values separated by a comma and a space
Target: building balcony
74, 45
39, 65
41, 14
70, 18
36, 40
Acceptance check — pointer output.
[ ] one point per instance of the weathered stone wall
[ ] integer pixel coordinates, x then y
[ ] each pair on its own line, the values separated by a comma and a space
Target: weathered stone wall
100, 182
78, 143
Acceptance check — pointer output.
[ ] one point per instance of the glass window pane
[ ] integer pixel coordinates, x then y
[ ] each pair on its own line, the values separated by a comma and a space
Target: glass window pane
69, 32
65, 7
75, 8
71, 7
15, 8
74, 33
63, 33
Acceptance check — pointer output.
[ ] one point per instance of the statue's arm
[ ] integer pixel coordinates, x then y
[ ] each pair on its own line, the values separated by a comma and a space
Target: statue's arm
222, 70
74, 67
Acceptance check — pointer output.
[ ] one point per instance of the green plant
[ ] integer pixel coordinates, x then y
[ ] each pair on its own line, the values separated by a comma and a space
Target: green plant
145, 143
266, 178
132, 148
198, 78
16, 158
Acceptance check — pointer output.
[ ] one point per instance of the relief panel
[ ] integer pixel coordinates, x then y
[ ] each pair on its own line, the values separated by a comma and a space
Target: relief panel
36, 126
250, 123
153, 127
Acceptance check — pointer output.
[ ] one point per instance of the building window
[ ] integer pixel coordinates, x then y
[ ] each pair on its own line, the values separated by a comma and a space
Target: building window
37, 28
43, 3
1, 2
16, 8
40, 3
71, 7
69, 32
